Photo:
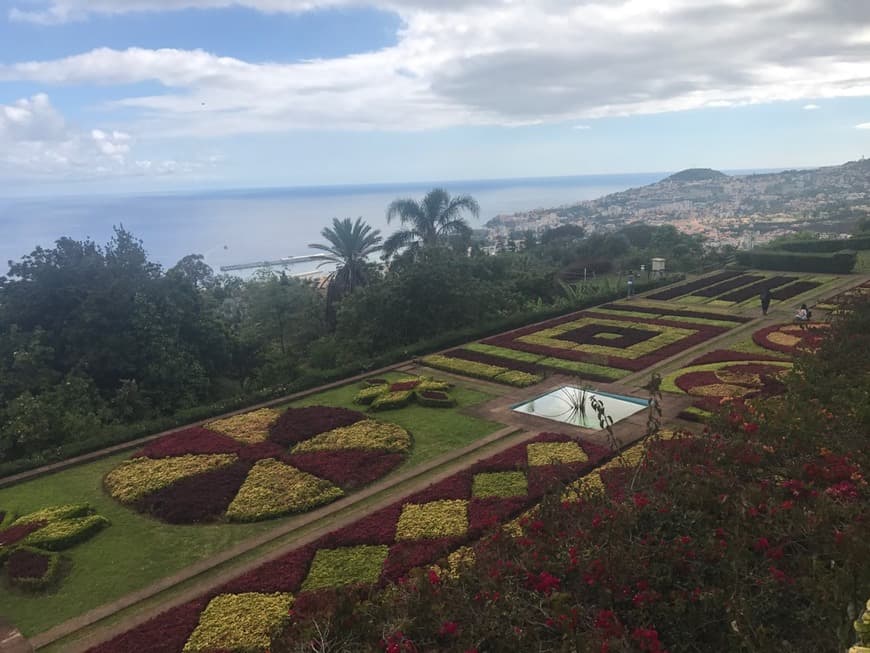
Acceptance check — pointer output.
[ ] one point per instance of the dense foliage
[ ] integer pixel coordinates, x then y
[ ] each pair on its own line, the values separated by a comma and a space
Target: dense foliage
753, 536
98, 344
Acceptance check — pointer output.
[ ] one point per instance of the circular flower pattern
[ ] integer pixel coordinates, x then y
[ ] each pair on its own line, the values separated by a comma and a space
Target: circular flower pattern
258, 465
716, 381
791, 338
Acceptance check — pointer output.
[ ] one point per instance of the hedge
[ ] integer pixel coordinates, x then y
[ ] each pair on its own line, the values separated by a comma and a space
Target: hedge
32, 569
769, 259
861, 241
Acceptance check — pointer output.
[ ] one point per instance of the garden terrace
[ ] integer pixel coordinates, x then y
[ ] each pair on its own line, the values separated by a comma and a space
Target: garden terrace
143, 550
379, 548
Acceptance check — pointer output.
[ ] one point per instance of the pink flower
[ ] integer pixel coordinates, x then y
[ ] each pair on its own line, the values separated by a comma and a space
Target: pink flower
448, 628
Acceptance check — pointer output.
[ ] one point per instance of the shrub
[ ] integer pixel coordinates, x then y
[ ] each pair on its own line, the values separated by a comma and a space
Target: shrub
345, 566
240, 623
297, 424
433, 520
64, 533
273, 489
393, 399
435, 399
368, 394
861, 241
247, 428
54, 513
764, 259
368, 434
32, 569
137, 477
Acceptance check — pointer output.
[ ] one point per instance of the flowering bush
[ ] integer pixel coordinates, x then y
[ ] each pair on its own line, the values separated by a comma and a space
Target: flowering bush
240, 623
136, 477
368, 434
247, 428
273, 489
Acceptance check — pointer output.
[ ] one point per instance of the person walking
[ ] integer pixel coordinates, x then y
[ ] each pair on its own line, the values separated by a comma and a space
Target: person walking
765, 300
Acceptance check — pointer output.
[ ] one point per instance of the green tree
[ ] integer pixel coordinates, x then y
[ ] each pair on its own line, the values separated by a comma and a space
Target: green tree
435, 220
351, 243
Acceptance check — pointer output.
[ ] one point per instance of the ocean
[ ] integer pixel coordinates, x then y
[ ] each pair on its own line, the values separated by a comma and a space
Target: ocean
241, 226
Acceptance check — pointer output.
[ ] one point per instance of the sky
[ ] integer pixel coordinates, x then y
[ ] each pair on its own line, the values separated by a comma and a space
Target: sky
104, 96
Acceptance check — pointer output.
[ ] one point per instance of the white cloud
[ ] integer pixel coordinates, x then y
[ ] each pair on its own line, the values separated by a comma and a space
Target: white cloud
863, 125
582, 127
811, 107
494, 62
36, 140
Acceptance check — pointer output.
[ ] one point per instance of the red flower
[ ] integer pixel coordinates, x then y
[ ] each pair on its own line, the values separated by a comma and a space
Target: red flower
780, 575
761, 544
640, 500
448, 628
543, 583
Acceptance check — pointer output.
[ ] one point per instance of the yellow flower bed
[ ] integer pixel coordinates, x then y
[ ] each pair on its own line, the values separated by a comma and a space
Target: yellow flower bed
783, 339
54, 513
247, 428
367, 434
273, 489
421, 521
240, 623
65, 533
351, 565
137, 477
555, 453
719, 390
741, 378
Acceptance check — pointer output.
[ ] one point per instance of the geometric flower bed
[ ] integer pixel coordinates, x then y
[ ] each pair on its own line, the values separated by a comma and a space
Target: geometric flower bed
378, 548
791, 338
380, 394
842, 300
28, 544
258, 465
688, 288
735, 288
601, 344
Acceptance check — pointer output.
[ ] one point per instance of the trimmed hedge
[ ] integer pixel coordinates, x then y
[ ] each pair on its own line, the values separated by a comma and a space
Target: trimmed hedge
861, 241
394, 399
66, 533
842, 262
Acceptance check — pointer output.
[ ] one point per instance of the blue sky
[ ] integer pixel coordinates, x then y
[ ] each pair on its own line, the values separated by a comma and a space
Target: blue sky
149, 95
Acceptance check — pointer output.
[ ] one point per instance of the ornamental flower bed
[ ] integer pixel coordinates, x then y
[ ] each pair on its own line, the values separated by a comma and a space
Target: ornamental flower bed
754, 289
196, 475
380, 547
687, 288
730, 284
28, 543
791, 338
795, 289
484, 371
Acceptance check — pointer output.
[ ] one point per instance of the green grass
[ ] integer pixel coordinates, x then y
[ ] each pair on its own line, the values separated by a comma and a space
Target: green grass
435, 430
136, 551
862, 264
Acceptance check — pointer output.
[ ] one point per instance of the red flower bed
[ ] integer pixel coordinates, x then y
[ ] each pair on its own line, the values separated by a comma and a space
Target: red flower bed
725, 286
795, 289
283, 574
407, 555
18, 533
348, 469
24, 563
686, 288
479, 357
168, 632
297, 424
193, 440
750, 291
810, 338
195, 499
726, 355
488, 513
434, 394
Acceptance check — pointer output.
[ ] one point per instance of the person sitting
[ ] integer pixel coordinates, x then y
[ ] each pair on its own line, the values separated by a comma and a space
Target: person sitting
802, 316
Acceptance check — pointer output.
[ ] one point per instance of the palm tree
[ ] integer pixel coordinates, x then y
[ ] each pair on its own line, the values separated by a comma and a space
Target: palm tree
350, 244
436, 220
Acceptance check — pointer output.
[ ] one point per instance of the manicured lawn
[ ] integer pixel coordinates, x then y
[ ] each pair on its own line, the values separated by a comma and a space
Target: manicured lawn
435, 430
136, 551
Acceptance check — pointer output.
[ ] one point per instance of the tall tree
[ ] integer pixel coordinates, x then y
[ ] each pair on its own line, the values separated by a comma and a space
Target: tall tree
350, 245
435, 220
